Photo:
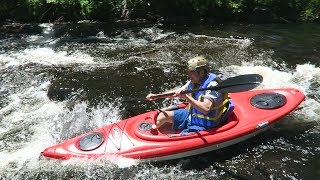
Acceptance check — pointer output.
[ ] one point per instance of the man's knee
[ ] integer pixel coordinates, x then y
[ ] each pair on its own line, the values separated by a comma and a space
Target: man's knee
165, 116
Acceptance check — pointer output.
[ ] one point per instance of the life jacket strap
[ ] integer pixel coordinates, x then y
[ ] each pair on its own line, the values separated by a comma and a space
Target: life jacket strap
211, 118
224, 102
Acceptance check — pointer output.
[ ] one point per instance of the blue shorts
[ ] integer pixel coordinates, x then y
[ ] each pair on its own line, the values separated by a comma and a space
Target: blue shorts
180, 119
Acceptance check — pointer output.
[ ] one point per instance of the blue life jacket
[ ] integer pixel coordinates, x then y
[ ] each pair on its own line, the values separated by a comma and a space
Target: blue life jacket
218, 114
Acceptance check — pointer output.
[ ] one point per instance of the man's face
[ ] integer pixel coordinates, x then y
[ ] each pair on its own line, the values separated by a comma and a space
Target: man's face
194, 77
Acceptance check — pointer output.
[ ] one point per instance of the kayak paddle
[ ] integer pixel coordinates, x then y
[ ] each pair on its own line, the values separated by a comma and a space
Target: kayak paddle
234, 84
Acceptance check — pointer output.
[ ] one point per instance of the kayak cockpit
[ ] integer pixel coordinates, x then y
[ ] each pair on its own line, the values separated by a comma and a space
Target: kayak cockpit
144, 131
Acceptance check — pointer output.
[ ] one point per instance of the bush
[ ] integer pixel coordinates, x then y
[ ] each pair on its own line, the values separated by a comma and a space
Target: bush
196, 10
312, 11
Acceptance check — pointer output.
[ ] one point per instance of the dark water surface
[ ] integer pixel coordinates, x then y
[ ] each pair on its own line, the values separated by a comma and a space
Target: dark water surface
60, 80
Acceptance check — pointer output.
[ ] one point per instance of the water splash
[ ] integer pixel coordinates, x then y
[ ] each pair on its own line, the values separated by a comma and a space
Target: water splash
44, 56
81, 119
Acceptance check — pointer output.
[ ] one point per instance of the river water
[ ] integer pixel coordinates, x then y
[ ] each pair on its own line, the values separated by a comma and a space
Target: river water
61, 80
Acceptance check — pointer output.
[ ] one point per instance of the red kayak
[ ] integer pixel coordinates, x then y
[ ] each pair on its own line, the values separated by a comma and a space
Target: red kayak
255, 111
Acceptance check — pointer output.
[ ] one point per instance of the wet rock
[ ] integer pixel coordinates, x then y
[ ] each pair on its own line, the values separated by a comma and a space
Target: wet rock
18, 28
57, 92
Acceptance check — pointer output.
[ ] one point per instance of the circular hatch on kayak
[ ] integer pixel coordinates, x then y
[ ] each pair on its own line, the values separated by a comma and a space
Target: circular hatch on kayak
91, 141
145, 126
268, 100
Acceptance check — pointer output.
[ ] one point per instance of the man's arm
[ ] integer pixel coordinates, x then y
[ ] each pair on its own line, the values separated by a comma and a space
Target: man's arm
176, 91
204, 107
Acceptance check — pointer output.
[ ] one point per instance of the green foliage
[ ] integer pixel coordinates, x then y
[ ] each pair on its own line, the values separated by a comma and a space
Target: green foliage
312, 11
86, 7
198, 9
74, 10
135, 3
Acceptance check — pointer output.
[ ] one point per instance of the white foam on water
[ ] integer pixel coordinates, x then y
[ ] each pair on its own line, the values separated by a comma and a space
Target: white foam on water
155, 33
25, 115
241, 43
47, 28
33, 38
81, 119
44, 56
108, 160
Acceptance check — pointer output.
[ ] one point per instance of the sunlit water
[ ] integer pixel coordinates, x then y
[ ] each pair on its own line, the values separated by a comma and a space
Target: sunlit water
106, 74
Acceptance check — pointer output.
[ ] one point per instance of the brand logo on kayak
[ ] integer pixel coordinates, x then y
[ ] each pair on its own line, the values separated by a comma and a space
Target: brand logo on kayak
262, 125
116, 133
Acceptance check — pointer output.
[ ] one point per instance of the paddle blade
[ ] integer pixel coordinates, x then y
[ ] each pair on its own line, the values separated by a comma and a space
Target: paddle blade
239, 83
238, 88
241, 79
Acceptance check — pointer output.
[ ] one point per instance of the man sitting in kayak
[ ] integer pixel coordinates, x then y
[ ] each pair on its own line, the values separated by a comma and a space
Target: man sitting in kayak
206, 109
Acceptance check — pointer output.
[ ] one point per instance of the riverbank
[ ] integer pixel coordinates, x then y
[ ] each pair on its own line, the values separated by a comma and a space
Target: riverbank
209, 11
